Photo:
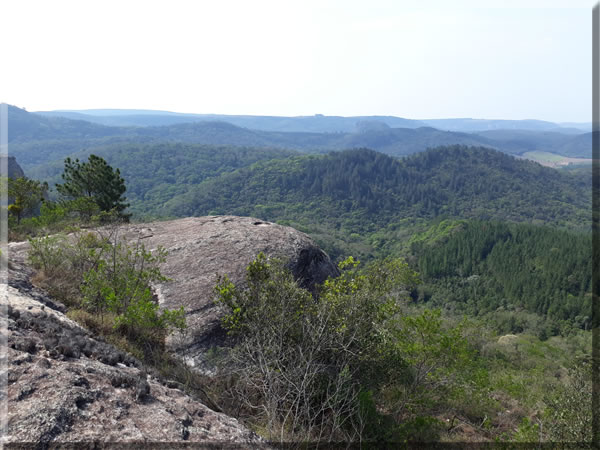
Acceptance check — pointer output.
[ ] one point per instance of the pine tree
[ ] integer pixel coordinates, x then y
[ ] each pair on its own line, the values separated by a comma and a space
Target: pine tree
97, 180
24, 196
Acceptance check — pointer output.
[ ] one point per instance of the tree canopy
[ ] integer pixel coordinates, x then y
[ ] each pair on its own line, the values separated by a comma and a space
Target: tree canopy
94, 179
25, 195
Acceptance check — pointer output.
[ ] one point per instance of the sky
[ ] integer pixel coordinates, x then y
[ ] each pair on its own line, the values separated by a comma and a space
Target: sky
425, 59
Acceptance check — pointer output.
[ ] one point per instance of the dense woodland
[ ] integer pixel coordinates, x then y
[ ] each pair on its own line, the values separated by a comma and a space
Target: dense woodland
365, 190
169, 169
471, 305
481, 268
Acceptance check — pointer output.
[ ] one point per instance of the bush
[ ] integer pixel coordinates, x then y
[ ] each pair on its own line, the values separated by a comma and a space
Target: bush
568, 417
301, 366
47, 253
96, 272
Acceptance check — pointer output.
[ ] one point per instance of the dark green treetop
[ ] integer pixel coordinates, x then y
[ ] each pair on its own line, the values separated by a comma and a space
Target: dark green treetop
25, 195
94, 179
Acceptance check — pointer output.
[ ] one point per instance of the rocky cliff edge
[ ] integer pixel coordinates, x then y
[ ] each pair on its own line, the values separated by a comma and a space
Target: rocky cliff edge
66, 386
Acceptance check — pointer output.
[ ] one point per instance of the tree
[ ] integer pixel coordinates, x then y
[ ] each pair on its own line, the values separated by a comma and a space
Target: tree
97, 180
25, 195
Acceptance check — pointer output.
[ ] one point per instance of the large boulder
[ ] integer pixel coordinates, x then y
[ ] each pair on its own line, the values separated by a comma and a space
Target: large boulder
202, 248
65, 386
14, 169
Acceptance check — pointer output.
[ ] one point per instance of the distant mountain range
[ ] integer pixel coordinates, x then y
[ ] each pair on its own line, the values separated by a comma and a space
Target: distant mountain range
317, 123
37, 139
309, 124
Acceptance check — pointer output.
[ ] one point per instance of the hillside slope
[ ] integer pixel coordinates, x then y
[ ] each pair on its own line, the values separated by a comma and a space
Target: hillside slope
38, 140
155, 173
365, 189
68, 387
492, 267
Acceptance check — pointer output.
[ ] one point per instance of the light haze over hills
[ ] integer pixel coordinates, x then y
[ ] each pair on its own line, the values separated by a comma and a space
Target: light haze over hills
315, 123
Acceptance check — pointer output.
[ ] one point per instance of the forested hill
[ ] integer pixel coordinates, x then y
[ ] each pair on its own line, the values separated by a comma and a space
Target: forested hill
316, 123
26, 127
312, 124
490, 267
155, 173
365, 190
38, 140
514, 141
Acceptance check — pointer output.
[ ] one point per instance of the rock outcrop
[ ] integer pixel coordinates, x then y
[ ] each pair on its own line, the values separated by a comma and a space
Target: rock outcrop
66, 386
14, 170
202, 248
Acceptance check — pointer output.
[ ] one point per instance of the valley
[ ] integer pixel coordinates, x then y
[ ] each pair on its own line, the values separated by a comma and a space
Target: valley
556, 161
487, 241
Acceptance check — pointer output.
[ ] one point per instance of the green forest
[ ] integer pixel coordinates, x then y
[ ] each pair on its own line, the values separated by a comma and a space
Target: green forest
364, 188
169, 169
467, 318
501, 270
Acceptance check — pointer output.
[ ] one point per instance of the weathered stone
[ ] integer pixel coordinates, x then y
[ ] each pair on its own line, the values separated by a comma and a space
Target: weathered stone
14, 169
64, 385
202, 248
82, 401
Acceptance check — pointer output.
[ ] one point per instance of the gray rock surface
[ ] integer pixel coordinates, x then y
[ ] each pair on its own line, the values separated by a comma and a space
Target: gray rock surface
14, 170
66, 386
202, 248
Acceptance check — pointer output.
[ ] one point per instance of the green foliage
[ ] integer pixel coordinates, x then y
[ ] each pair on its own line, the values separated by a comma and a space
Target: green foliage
47, 253
444, 368
63, 217
119, 283
502, 268
79, 211
528, 431
92, 195
96, 180
107, 277
351, 351
63, 260
362, 190
568, 416
169, 169
311, 355
25, 195
438, 232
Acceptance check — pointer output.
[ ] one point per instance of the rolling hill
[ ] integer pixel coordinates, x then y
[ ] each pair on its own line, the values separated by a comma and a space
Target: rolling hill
363, 189
515, 141
155, 173
39, 140
310, 124
318, 123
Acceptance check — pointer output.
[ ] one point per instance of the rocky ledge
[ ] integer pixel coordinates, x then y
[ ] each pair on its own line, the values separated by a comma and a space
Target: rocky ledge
202, 248
66, 386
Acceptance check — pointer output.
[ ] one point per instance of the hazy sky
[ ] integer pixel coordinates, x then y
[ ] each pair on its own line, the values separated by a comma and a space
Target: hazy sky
421, 59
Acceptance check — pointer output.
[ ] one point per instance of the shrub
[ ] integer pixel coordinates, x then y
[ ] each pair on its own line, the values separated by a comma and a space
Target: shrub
302, 366
96, 272
568, 417
47, 253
